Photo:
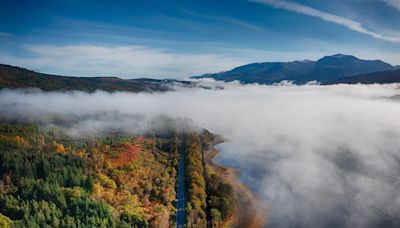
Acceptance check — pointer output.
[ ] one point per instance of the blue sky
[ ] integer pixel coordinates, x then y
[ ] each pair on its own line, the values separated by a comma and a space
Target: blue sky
181, 38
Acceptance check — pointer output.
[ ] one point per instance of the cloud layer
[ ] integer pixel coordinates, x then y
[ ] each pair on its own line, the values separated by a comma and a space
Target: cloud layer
319, 156
351, 24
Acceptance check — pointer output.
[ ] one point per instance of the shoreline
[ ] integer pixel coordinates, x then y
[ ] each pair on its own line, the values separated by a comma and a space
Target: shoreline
249, 211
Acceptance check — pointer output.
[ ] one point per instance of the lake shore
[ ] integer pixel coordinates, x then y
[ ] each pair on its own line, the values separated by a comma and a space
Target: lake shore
249, 211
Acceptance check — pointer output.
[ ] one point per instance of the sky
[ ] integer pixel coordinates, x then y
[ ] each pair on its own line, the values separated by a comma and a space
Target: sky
175, 39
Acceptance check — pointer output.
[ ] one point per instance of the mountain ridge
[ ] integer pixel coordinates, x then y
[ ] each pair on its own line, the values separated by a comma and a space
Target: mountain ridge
380, 77
325, 69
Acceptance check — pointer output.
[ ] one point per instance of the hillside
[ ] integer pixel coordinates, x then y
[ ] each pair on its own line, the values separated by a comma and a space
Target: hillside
381, 77
16, 77
326, 69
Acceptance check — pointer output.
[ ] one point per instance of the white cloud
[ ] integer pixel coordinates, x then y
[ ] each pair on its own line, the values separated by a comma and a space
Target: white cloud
124, 61
225, 19
393, 3
306, 10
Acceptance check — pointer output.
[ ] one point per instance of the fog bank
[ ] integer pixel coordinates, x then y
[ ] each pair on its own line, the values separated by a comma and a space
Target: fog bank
319, 156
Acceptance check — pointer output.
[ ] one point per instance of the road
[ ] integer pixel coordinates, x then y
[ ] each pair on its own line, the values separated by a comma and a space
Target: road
181, 194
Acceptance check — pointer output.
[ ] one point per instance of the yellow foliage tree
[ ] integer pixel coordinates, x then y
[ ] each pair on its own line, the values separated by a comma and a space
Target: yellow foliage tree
60, 148
5, 222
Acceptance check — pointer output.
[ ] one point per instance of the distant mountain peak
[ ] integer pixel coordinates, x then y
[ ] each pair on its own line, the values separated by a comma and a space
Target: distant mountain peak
338, 57
343, 56
325, 69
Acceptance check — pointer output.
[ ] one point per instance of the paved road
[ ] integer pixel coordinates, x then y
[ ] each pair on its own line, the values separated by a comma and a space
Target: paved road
181, 194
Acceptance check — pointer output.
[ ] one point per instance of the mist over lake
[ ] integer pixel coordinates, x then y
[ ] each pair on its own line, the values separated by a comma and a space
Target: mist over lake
316, 155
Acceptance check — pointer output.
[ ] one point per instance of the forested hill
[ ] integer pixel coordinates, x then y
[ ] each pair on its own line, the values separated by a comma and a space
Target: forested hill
16, 77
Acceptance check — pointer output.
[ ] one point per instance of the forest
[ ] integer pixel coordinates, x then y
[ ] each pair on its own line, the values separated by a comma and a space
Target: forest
51, 180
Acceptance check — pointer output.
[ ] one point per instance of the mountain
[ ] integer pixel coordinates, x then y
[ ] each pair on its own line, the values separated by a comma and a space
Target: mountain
381, 77
16, 77
326, 69
265, 73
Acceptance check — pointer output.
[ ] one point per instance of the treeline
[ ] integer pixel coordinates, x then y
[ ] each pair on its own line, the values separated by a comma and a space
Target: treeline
220, 200
196, 185
210, 198
47, 181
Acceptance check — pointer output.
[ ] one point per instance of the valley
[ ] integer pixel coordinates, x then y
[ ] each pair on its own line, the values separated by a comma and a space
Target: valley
200, 114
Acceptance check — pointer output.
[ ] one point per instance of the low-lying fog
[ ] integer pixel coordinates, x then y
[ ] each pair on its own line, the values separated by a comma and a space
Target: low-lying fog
319, 156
